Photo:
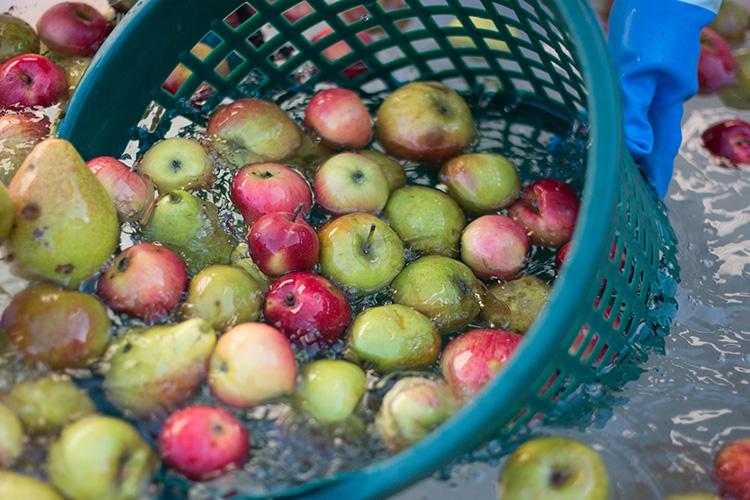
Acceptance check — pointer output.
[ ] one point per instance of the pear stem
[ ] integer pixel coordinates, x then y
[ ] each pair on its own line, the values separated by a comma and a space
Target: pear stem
368, 242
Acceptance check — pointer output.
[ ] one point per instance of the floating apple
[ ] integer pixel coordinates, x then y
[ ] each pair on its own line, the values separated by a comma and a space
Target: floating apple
426, 220
269, 187
716, 67
514, 305
339, 117
393, 171
472, 360
31, 80
145, 281
253, 131
481, 183
394, 337
132, 194
732, 21
693, 496
307, 308
281, 243
425, 122
443, 289
73, 29
548, 209
19, 133
732, 469
177, 163
554, 467
360, 252
6, 213
252, 363
11, 431
331, 389
494, 246
14, 485
59, 328
729, 140
17, 37
203, 442
350, 182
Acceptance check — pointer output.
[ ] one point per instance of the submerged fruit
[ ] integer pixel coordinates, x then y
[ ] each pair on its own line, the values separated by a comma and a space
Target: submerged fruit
331, 389
730, 141
11, 437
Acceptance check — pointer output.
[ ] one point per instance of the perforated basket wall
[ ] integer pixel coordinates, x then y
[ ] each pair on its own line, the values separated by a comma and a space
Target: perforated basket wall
550, 53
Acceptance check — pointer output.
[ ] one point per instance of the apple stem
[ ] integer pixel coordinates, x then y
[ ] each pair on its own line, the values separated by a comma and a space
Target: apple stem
297, 211
368, 241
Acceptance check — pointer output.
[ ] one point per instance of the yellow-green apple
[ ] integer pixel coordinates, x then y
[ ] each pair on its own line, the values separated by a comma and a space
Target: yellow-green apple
177, 163
252, 363
548, 209
495, 246
253, 131
145, 281
425, 122
350, 182
307, 308
31, 80
360, 252
330, 389
132, 194
514, 305
472, 360
393, 171
481, 183
269, 187
14, 485
554, 468
11, 437
19, 133
427, 220
281, 243
339, 118
73, 29
203, 442
443, 289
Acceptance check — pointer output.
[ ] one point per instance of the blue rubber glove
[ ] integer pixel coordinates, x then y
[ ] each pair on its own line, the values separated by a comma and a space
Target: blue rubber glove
655, 46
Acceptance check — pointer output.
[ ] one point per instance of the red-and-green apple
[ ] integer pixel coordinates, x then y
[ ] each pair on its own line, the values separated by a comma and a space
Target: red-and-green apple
282, 242
481, 183
264, 188
495, 246
350, 182
31, 80
548, 209
732, 469
132, 194
339, 117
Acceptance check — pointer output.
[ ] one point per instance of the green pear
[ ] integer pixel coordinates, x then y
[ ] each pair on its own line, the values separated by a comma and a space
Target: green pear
65, 221
6, 213
514, 305
445, 290
146, 370
426, 220
17, 37
18, 486
101, 458
11, 437
331, 389
241, 258
554, 468
224, 296
47, 404
189, 227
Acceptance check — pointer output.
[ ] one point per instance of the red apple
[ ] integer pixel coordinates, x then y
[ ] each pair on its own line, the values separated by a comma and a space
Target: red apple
18, 136
341, 49
31, 80
264, 188
548, 209
561, 256
732, 469
73, 29
145, 281
494, 246
133, 195
729, 140
716, 67
281, 242
307, 308
470, 361
340, 118
203, 442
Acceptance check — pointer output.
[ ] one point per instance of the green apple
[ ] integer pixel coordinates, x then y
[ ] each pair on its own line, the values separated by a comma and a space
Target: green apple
425, 122
443, 289
11, 436
426, 220
14, 486
177, 163
514, 305
331, 389
360, 252
224, 296
554, 468
99, 458
394, 337
350, 182
412, 408
393, 171
481, 183
47, 404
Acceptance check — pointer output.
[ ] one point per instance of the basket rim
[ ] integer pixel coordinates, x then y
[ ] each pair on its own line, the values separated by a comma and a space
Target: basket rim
478, 419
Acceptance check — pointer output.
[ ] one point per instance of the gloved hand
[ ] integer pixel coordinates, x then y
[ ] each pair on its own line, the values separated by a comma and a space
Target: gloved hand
655, 46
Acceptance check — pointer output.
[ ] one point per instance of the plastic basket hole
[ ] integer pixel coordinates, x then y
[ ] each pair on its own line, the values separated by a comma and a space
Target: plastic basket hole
202, 95
390, 55
586, 355
542, 75
476, 62
304, 72
528, 8
375, 86
521, 35
262, 35
600, 356
572, 92
457, 83
562, 71
354, 70
548, 384
530, 55
239, 15
518, 418
424, 45
411, 24
510, 66
298, 12
283, 54
227, 67
152, 116
523, 85
355, 14
440, 64
506, 12
578, 341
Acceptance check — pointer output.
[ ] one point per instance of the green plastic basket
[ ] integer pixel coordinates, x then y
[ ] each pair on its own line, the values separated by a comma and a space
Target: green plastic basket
553, 54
